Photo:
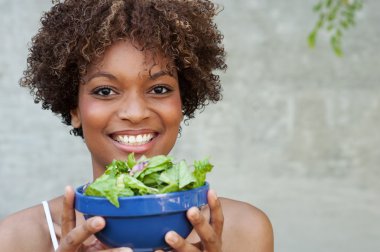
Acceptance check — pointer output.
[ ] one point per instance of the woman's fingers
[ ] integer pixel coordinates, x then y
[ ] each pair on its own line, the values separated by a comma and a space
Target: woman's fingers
209, 237
216, 213
178, 243
75, 238
209, 233
68, 215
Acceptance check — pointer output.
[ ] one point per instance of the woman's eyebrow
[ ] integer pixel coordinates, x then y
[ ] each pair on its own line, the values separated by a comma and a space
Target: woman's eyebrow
159, 74
153, 76
99, 74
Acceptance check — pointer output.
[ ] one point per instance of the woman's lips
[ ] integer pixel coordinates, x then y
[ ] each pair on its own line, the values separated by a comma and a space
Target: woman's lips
134, 142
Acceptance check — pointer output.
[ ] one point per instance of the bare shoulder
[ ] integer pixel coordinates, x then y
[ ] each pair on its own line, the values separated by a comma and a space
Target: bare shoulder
25, 231
246, 228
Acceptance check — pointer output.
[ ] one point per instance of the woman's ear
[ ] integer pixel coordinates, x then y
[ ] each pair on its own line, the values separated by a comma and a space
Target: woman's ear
75, 118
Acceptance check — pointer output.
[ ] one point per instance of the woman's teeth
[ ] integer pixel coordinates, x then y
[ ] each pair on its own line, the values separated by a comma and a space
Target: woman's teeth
134, 140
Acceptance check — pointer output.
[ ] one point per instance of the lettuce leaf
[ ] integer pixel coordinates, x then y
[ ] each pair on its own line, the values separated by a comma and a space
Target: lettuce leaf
201, 168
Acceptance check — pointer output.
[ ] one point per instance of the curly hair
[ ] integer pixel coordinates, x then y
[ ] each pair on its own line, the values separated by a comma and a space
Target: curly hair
75, 33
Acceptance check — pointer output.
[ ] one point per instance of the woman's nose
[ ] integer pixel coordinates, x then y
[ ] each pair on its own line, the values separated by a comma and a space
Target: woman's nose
134, 108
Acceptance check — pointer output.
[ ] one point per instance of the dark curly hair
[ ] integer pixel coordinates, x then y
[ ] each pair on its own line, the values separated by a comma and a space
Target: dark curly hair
75, 33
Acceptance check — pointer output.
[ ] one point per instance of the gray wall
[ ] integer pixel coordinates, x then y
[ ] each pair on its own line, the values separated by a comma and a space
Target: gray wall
296, 134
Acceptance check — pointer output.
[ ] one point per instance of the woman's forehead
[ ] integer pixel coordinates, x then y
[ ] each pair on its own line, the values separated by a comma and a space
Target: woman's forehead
125, 56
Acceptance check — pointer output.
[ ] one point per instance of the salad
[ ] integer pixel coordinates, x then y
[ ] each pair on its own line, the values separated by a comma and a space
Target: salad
155, 175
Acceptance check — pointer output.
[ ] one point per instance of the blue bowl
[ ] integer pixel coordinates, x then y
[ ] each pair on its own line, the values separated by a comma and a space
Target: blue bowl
141, 222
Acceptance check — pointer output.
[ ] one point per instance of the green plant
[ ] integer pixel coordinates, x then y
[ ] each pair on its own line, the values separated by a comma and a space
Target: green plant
335, 16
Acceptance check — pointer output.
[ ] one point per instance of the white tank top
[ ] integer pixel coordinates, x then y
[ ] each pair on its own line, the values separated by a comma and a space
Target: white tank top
50, 225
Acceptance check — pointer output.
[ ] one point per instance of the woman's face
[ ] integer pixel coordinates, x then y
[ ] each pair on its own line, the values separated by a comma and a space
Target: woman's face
128, 104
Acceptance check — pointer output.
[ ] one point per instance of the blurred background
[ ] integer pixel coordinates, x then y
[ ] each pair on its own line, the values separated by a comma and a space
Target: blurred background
297, 132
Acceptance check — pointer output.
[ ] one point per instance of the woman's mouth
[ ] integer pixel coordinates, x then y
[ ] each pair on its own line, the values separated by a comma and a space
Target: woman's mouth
134, 140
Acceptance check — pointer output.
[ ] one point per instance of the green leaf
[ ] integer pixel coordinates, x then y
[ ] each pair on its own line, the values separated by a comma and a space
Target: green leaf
152, 180
159, 160
201, 168
338, 50
336, 45
317, 7
116, 167
155, 164
140, 187
320, 24
311, 38
131, 161
170, 176
185, 176
344, 24
169, 188
125, 192
104, 186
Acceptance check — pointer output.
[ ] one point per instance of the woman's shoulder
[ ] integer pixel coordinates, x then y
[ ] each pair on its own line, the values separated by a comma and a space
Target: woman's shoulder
26, 230
246, 228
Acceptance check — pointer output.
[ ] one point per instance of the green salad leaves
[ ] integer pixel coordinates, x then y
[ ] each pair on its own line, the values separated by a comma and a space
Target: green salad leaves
155, 175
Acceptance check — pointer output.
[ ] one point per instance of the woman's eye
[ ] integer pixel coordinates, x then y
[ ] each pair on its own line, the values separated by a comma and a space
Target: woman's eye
103, 91
160, 90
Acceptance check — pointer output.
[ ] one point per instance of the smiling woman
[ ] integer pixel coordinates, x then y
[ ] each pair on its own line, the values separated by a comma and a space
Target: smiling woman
124, 74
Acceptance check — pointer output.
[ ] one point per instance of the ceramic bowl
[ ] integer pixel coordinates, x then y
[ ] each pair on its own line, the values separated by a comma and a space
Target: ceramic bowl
141, 222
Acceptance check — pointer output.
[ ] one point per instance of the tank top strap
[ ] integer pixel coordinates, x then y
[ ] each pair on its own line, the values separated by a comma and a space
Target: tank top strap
49, 221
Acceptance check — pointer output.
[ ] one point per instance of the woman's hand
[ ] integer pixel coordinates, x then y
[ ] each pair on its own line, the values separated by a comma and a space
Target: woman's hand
73, 238
210, 233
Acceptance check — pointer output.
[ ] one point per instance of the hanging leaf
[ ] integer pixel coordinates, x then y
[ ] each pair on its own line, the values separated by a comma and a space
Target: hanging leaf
334, 16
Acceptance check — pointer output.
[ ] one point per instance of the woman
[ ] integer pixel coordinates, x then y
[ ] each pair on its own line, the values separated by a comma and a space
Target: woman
124, 74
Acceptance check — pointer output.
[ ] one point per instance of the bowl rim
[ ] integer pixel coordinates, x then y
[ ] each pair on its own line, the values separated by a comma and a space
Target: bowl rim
139, 205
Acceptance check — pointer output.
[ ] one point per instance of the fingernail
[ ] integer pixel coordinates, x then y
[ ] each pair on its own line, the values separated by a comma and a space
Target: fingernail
67, 189
172, 237
213, 194
126, 250
194, 213
96, 223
